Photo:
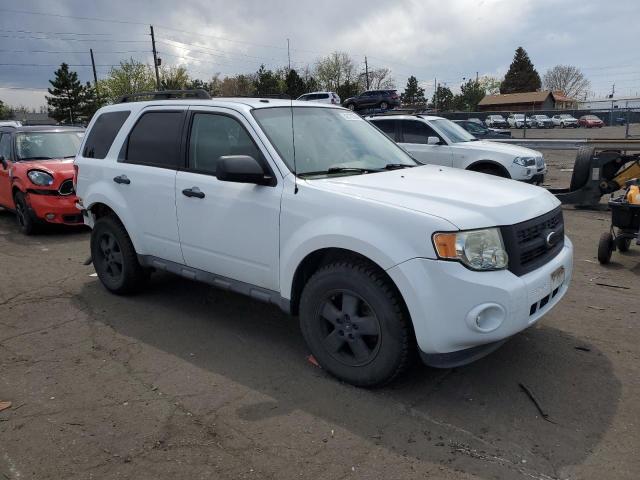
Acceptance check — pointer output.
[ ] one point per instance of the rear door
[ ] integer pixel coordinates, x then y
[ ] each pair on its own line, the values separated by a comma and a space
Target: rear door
145, 175
232, 230
5, 180
413, 138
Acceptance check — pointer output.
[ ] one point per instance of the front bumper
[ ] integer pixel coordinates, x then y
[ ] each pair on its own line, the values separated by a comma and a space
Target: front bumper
59, 209
443, 296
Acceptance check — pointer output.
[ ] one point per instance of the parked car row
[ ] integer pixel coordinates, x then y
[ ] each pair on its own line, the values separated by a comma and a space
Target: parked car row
518, 120
352, 231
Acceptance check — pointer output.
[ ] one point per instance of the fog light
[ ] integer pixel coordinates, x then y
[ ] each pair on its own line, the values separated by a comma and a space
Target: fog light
50, 216
486, 317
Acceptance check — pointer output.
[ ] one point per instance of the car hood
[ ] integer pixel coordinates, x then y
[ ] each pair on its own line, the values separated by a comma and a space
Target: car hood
63, 166
466, 199
497, 147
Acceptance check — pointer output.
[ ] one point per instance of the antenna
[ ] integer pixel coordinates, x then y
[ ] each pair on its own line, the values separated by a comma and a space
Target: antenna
293, 131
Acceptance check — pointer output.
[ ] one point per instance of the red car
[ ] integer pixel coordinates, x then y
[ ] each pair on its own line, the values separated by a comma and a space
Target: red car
36, 175
590, 121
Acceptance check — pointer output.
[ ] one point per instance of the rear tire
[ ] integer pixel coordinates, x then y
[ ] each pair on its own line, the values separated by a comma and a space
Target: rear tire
351, 107
605, 248
581, 168
384, 105
114, 257
26, 221
354, 323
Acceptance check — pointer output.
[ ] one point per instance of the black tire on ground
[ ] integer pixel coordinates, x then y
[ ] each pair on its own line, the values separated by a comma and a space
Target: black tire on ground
581, 168
384, 105
26, 222
623, 244
114, 257
605, 248
354, 323
351, 106
490, 170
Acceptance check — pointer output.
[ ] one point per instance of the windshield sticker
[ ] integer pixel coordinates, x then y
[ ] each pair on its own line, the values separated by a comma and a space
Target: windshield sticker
350, 116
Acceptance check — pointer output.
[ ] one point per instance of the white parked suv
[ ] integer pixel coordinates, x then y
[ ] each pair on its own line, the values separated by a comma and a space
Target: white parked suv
517, 120
321, 97
375, 253
438, 141
565, 120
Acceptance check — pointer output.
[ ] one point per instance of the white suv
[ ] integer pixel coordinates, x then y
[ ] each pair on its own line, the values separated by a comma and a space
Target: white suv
375, 253
438, 141
321, 97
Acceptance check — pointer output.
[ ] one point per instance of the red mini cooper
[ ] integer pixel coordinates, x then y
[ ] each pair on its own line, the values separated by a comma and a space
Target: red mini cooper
36, 174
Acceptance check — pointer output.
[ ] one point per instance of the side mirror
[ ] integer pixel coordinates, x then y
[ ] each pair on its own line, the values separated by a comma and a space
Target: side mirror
241, 169
433, 141
3, 161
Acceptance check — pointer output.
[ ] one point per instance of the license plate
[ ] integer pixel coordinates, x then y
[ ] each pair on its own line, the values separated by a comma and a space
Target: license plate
557, 278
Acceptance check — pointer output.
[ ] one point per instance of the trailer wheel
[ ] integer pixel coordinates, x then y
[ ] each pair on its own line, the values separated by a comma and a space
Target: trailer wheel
605, 248
623, 244
581, 168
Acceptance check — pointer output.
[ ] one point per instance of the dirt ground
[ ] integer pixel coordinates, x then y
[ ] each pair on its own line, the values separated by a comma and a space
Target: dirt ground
187, 382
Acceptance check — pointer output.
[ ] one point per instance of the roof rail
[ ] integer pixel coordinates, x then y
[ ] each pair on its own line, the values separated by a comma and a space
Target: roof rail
165, 94
390, 113
281, 96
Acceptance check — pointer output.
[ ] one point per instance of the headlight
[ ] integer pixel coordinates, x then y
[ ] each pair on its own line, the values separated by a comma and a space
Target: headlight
525, 161
477, 249
40, 178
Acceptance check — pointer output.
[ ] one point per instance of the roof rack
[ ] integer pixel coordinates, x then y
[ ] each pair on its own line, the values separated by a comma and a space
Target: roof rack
275, 96
165, 94
390, 113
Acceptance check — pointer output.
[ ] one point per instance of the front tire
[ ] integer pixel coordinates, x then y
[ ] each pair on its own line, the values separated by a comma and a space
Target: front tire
353, 321
351, 107
605, 248
26, 221
114, 257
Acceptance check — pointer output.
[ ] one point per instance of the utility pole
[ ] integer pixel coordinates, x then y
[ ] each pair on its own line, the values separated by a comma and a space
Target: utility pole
95, 75
155, 58
477, 78
288, 54
366, 71
435, 94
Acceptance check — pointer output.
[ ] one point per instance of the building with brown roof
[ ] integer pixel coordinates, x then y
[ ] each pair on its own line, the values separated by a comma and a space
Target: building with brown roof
544, 100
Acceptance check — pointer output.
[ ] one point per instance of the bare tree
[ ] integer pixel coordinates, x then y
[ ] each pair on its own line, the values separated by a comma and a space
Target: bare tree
335, 70
567, 79
381, 78
491, 85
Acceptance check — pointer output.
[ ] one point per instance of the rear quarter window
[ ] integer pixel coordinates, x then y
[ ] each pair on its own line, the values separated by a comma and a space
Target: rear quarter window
154, 140
103, 133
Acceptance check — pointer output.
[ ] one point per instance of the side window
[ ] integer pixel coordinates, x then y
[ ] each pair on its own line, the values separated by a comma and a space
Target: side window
417, 132
5, 145
388, 127
102, 134
213, 136
473, 128
323, 95
154, 139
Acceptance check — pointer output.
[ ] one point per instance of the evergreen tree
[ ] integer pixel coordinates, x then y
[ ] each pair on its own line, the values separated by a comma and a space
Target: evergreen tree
91, 102
266, 82
522, 76
470, 95
295, 85
442, 99
413, 94
67, 94
5, 113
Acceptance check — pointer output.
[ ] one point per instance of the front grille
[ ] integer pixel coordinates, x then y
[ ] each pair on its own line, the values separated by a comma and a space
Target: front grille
66, 187
533, 243
72, 218
539, 162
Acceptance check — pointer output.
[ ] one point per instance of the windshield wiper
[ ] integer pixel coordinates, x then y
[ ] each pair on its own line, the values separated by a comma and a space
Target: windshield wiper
397, 166
341, 170
70, 156
36, 158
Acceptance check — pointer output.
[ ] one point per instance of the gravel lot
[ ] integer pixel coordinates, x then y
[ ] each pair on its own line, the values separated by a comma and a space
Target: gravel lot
185, 381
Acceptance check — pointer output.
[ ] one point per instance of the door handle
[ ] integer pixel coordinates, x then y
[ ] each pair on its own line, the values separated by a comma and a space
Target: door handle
193, 192
122, 179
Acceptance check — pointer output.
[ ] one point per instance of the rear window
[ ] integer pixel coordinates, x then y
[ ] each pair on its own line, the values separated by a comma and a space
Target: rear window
387, 126
102, 134
155, 139
322, 95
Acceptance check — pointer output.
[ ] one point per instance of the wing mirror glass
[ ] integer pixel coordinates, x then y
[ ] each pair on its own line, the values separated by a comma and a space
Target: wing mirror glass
242, 169
433, 141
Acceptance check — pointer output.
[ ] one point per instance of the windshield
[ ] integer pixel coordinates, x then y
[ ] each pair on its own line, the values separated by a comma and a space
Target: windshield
47, 145
566, 116
329, 138
454, 132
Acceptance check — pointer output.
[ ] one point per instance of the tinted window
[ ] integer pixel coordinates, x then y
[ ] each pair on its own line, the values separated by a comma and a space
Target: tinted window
5, 146
322, 95
417, 132
213, 136
387, 126
473, 127
102, 134
154, 139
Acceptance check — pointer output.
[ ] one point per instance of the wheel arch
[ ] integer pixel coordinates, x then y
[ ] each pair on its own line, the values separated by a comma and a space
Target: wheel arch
478, 164
100, 207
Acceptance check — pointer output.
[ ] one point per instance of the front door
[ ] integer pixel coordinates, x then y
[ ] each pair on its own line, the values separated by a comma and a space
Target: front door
229, 229
414, 137
5, 180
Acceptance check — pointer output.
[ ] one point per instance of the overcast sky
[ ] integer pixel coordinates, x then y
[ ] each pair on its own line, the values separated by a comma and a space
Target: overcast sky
430, 39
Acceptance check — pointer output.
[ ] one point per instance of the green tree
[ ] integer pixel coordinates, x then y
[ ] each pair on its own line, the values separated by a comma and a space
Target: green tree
131, 76
295, 85
5, 112
491, 85
413, 94
470, 95
66, 96
522, 76
91, 102
348, 89
266, 82
442, 99
174, 78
